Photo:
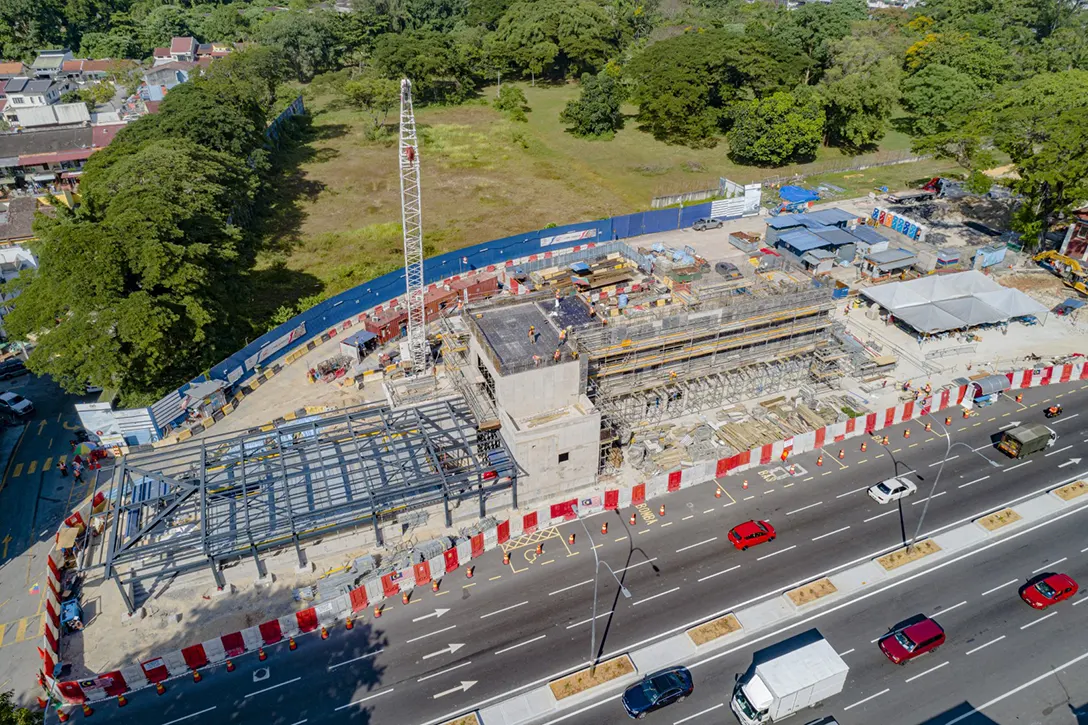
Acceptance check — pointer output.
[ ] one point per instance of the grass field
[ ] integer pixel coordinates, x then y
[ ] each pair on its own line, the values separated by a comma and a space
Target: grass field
338, 221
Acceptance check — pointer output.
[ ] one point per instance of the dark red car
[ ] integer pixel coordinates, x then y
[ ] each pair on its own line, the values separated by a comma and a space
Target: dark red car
1051, 589
751, 533
913, 641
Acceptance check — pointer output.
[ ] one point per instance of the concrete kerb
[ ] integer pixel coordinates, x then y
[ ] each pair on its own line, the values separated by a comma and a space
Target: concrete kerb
757, 615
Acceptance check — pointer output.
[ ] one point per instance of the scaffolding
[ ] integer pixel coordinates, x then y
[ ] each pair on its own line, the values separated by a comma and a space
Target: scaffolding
474, 385
219, 499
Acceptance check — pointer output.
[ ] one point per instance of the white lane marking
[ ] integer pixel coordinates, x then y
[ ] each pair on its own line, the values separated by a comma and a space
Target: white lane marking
830, 533
587, 621
999, 586
776, 553
1053, 563
843, 654
522, 644
1068, 417
886, 513
572, 586
1032, 624
842, 495
936, 495
984, 646
923, 674
946, 611
442, 672
977, 480
368, 697
189, 716
504, 609
1018, 465
1049, 673
688, 517
692, 546
1082, 599
363, 657
804, 508
726, 571
777, 591
931, 465
709, 511
626, 568
288, 682
870, 697
698, 714
655, 596
1047, 455
431, 634
300, 722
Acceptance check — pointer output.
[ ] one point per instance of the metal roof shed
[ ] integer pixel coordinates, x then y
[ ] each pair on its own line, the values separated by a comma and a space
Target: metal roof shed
890, 260
800, 241
989, 385
832, 217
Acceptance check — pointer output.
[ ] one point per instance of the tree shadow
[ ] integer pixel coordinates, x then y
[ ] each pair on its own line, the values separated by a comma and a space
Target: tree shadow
633, 552
903, 124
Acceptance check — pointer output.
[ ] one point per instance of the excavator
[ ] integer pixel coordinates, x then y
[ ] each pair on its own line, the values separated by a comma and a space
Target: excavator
1072, 272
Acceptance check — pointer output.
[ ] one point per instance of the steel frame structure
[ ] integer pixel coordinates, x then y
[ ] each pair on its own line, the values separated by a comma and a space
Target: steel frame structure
411, 214
215, 500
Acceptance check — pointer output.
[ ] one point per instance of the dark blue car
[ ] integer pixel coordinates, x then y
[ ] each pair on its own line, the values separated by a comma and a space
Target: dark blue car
657, 690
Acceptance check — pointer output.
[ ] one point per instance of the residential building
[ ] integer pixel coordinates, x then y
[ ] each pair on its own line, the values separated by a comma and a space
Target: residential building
89, 71
183, 49
1075, 244
45, 159
169, 74
23, 92
161, 55
60, 114
9, 71
16, 227
49, 62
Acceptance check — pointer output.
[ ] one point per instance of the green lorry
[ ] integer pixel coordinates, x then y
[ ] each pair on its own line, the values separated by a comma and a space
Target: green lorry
1025, 440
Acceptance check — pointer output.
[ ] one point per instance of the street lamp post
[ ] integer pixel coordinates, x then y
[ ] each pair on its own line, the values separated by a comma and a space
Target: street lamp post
949, 445
596, 570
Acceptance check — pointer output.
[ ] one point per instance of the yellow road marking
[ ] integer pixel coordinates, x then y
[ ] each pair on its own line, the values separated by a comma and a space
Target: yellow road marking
1005, 415
644, 531
3, 629
61, 459
17, 471
807, 479
20, 631
879, 456
48, 463
991, 420
441, 593
495, 577
32, 467
912, 445
466, 586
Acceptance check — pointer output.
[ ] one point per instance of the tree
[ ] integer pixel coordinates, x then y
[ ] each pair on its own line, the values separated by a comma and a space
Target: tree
437, 67
163, 23
814, 27
937, 95
982, 59
596, 111
114, 44
978, 182
304, 39
512, 102
225, 24
567, 35
859, 104
12, 714
374, 96
94, 95
26, 25
784, 126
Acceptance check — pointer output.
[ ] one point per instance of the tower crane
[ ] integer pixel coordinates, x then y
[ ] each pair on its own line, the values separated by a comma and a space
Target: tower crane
412, 222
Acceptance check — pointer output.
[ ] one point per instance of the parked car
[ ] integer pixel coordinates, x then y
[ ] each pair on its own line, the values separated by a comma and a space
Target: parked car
12, 368
701, 225
1050, 589
892, 490
15, 404
912, 641
751, 533
656, 690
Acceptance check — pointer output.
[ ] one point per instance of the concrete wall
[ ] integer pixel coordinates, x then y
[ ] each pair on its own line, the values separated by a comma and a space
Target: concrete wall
537, 449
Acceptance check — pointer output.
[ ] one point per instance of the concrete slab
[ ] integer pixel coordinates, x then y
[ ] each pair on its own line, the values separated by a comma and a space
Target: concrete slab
523, 708
507, 333
764, 614
663, 653
955, 539
857, 577
1038, 507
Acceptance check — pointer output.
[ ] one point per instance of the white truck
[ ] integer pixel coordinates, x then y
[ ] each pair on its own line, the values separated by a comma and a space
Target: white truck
793, 676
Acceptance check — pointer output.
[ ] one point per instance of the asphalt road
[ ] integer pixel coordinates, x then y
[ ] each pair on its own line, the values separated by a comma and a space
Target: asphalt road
33, 501
515, 626
1003, 658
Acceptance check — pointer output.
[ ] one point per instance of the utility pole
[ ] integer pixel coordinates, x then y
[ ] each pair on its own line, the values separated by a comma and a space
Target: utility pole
411, 212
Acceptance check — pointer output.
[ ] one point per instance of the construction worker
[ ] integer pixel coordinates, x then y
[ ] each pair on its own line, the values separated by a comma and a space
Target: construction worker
536, 360
558, 355
532, 334
562, 336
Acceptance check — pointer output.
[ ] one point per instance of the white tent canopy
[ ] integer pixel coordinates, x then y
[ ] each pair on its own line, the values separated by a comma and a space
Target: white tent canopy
953, 301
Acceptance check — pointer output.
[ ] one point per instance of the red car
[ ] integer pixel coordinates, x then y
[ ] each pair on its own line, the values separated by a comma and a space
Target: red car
1049, 590
913, 641
751, 533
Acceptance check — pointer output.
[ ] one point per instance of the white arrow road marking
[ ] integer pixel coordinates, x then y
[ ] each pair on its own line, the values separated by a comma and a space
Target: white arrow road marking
436, 613
463, 687
1070, 462
1010, 425
445, 650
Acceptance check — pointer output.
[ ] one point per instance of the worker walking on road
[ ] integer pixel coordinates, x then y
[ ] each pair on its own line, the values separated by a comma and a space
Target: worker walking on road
63, 469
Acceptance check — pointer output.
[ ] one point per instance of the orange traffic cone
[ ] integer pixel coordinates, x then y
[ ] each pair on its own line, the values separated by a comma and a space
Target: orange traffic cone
966, 413
160, 688
539, 549
906, 433
196, 676
122, 701
506, 557
791, 469
87, 711
1019, 397
404, 597
470, 571
745, 484
261, 654
604, 528
230, 666
717, 493
819, 460
377, 611
434, 585
42, 703
349, 623
632, 519
324, 632
948, 420
842, 454
570, 539
291, 644
62, 716
863, 446
929, 427
661, 511
884, 441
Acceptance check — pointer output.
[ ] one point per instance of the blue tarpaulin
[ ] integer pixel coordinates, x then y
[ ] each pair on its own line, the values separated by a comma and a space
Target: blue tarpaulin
795, 194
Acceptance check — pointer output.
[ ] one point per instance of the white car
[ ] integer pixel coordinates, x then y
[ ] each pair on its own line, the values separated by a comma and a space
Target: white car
892, 490
15, 404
